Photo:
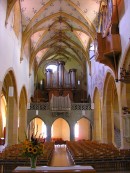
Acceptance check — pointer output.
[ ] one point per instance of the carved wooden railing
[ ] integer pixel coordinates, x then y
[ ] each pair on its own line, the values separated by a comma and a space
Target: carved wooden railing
46, 106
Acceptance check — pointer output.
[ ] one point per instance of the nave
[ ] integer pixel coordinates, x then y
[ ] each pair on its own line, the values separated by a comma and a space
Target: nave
61, 158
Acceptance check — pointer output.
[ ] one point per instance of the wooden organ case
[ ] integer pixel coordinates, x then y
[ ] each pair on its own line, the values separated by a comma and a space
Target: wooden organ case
60, 83
107, 43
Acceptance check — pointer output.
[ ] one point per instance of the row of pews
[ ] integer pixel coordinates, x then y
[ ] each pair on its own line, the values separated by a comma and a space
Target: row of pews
100, 156
11, 157
58, 141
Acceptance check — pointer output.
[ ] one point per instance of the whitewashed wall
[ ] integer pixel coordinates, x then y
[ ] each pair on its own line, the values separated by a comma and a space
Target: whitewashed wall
10, 48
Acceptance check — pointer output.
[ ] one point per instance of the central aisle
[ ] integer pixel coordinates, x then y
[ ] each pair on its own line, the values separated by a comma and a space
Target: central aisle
60, 156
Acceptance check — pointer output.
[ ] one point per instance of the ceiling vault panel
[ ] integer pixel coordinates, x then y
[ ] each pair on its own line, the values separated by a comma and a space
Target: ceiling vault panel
57, 28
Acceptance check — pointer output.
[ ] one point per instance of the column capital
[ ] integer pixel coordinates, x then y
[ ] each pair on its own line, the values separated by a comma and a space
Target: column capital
72, 70
61, 63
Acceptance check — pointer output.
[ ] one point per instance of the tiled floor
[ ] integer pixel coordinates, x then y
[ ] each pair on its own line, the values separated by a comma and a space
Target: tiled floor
60, 158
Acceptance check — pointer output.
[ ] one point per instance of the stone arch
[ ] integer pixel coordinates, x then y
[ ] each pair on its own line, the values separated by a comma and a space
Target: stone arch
61, 129
10, 80
36, 127
22, 116
97, 116
17, 18
9, 90
110, 118
85, 129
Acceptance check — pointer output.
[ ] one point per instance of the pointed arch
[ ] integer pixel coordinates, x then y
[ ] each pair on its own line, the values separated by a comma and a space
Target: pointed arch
97, 135
111, 119
12, 107
22, 116
84, 129
60, 129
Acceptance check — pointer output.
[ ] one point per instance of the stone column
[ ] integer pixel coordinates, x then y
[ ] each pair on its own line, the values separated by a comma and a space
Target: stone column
104, 125
72, 78
22, 122
48, 78
11, 122
48, 132
61, 74
72, 137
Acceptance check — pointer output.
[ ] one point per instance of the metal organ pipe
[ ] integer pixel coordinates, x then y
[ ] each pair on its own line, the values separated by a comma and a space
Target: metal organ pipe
61, 73
73, 78
48, 78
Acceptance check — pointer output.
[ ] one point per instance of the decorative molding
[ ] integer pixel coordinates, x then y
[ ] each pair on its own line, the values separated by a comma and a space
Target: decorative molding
80, 106
74, 106
40, 106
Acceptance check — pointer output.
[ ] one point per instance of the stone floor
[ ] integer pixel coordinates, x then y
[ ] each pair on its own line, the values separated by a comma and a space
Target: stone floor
60, 158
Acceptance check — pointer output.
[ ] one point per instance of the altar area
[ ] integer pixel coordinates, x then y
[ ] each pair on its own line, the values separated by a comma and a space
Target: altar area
54, 169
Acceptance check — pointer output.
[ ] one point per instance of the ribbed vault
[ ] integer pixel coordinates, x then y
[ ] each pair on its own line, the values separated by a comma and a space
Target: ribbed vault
57, 29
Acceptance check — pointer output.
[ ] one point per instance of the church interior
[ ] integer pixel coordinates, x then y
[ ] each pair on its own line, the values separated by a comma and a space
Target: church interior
65, 79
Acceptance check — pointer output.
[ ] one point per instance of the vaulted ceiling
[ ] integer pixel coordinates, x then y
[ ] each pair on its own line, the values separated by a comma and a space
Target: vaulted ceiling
58, 29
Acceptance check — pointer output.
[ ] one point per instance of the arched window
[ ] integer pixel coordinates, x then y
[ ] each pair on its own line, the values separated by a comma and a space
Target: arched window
76, 130
52, 67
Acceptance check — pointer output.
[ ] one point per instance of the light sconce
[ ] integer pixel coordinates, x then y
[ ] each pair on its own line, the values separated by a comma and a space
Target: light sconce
83, 112
124, 75
92, 105
28, 105
11, 91
36, 112
126, 110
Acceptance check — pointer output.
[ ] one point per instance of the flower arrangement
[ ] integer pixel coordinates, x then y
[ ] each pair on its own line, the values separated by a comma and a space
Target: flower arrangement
32, 148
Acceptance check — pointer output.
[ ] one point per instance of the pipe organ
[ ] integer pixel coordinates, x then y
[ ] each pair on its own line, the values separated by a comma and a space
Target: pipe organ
59, 83
61, 79
60, 103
